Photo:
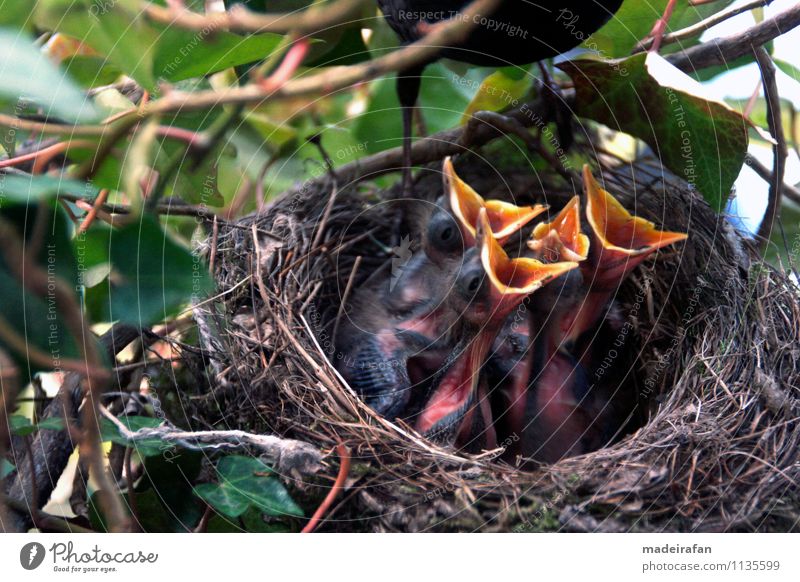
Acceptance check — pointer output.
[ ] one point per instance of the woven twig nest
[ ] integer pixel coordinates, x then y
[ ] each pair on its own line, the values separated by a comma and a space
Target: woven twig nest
712, 358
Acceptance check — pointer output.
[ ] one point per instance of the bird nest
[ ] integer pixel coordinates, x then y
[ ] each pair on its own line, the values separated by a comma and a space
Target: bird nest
711, 352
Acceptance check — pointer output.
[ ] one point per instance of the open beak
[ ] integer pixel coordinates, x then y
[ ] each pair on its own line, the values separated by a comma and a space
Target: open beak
561, 239
623, 241
513, 279
455, 394
504, 218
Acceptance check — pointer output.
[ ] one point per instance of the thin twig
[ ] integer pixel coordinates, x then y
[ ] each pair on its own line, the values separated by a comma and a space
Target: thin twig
344, 470
286, 454
721, 51
700, 27
46, 153
98, 202
780, 151
240, 19
346, 295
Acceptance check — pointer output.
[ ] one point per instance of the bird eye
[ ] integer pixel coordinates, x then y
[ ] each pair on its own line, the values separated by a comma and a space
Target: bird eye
471, 283
443, 234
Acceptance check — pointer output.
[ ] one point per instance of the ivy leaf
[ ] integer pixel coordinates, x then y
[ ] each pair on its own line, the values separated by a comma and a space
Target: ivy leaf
29, 75
145, 447
246, 482
226, 500
701, 140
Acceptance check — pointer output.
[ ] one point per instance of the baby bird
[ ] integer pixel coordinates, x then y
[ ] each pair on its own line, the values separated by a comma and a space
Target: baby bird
489, 286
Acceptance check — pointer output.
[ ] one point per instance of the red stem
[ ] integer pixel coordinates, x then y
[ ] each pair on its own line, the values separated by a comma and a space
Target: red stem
344, 469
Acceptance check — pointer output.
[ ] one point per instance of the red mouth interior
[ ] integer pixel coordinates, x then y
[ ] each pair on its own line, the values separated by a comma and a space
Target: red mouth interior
451, 394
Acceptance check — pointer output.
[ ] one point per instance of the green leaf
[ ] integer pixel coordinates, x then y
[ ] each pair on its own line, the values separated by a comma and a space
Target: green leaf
182, 54
6, 468
169, 479
443, 98
28, 75
226, 500
347, 49
153, 276
145, 447
52, 423
246, 481
91, 71
788, 68
15, 13
253, 520
634, 21
701, 140
115, 29
163, 495
500, 90
22, 426
38, 318
26, 189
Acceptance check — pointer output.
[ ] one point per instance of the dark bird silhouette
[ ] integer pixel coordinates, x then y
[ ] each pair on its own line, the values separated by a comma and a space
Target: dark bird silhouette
519, 32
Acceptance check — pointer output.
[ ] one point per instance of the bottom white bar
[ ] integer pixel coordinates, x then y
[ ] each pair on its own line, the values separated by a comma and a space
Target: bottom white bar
348, 557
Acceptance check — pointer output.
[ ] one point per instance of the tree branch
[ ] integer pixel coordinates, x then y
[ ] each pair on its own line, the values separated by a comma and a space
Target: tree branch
720, 51
442, 34
700, 27
779, 151
240, 19
766, 174
290, 457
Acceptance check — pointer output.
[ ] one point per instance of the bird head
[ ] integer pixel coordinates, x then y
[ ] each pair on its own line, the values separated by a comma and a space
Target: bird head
504, 218
512, 280
561, 239
622, 240
488, 288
